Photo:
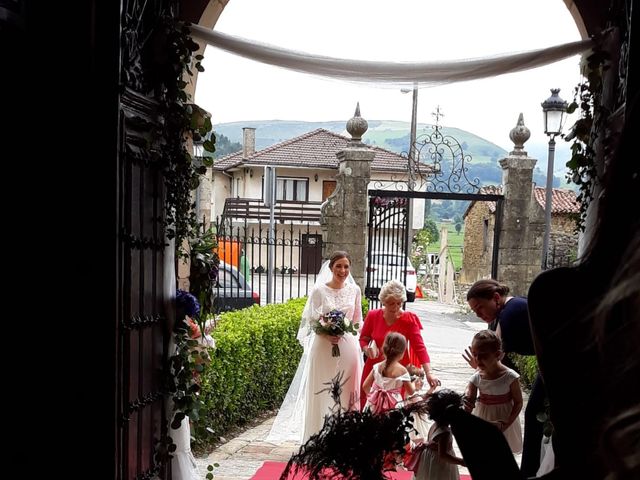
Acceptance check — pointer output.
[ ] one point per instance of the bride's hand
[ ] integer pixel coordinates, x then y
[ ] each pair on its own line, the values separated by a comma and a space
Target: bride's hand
334, 339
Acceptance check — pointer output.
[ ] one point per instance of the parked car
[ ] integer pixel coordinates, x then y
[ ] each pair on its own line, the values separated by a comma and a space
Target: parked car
233, 292
387, 266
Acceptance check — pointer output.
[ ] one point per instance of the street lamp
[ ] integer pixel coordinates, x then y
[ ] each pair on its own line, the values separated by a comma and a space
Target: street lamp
553, 109
412, 166
412, 135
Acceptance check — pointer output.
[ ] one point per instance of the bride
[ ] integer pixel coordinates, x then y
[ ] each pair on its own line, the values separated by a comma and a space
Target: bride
309, 398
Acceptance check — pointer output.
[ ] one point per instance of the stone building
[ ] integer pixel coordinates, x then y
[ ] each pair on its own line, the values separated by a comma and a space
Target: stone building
479, 221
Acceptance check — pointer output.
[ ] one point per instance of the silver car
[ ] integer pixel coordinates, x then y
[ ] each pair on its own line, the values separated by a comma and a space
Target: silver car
387, 266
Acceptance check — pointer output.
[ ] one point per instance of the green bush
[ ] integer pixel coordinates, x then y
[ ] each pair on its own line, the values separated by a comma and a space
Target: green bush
527, 367
365, 308
254, 361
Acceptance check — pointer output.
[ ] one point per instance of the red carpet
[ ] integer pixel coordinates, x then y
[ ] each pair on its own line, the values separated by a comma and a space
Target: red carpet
272, 471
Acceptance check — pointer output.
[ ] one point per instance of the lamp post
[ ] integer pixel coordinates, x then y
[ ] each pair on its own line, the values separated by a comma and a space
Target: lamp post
198, 151
412, 169
412, 137
553, 109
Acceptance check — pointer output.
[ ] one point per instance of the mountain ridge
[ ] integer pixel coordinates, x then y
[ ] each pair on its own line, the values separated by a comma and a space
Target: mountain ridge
392, 135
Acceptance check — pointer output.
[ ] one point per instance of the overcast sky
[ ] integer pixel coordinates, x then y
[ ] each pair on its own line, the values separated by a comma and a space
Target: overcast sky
234, 89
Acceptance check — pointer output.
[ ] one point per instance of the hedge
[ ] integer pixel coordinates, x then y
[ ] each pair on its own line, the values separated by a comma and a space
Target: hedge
527, 367
254, 361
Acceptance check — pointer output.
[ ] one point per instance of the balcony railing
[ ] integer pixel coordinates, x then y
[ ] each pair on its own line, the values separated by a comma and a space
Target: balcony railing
251, 208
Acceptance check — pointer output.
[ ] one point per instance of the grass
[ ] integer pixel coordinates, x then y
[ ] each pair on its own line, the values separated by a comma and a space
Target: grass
455, 240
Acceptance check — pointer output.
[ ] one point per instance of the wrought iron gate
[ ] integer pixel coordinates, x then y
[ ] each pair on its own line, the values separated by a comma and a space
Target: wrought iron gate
437, 168
387, 241
244, 243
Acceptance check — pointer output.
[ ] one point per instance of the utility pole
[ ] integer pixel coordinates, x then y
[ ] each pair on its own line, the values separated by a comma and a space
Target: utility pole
270, 201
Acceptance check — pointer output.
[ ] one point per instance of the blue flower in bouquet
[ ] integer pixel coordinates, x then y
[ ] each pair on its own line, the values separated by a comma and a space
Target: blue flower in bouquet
334, 323
187, 303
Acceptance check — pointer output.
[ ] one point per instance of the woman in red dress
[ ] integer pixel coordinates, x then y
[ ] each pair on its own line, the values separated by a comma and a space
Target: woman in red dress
391, 317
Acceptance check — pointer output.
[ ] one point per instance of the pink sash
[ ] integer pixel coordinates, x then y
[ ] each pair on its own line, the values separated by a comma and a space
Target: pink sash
494, 399
382, 400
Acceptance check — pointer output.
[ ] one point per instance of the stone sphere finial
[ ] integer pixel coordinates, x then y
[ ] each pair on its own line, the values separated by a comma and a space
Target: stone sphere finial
357, 126
518, 135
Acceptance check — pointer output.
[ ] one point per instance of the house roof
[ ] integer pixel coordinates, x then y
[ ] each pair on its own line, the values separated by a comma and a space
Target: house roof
562, 200
315, 149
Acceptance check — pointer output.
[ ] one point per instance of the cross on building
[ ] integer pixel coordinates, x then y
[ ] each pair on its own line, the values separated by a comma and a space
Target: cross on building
437, 114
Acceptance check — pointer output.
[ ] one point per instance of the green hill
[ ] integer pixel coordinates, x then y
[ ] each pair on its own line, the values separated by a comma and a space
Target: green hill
388, 134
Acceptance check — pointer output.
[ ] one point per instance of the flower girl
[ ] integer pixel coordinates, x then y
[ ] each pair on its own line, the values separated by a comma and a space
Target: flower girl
384, 384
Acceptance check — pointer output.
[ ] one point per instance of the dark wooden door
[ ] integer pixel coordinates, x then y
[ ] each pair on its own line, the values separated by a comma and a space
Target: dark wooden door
311, 258
143, 262
328, 186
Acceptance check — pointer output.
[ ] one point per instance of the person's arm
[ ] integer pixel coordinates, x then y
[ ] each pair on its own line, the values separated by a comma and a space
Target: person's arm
367, 332
317, 302
420, 349
368, 382
408, 385
516, 394
431, 377
444, 440
357, 309
469, 398
468, 357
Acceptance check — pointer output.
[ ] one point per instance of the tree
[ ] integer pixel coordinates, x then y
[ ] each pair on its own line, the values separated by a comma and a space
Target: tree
224, 146
429, 233
458, 227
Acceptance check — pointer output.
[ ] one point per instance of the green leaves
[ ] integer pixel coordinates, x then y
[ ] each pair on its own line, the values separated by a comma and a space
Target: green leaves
587, 97
254, 362
174, 47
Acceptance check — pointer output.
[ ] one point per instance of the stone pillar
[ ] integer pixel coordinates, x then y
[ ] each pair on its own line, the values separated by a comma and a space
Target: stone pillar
204, 195
522, 228
344, 213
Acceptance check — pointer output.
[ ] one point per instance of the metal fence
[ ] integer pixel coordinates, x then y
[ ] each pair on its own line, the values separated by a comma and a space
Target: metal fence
245, 275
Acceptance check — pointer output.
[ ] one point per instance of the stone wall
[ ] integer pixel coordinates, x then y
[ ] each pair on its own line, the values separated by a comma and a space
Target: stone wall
478, 243
476, 262
563, 223
563, 241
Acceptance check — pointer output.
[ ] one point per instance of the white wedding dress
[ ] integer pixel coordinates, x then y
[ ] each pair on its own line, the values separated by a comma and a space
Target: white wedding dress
309, 399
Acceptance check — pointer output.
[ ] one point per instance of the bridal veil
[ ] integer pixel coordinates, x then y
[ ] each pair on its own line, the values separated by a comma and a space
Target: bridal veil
288, 425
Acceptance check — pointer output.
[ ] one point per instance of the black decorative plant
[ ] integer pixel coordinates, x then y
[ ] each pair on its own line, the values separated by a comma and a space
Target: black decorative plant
356, 445
587, 97
203, 274
173, 61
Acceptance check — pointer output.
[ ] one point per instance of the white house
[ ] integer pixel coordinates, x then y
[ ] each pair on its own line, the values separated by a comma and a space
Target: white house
305, 167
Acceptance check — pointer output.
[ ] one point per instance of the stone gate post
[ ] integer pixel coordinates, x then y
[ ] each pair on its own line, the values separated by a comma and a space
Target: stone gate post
344, 213
522, 227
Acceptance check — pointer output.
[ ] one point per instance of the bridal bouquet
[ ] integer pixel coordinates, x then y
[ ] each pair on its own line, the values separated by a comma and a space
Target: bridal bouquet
334, 323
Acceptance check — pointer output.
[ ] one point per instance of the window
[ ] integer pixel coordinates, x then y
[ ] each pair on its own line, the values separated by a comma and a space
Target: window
292, 189
485, 235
